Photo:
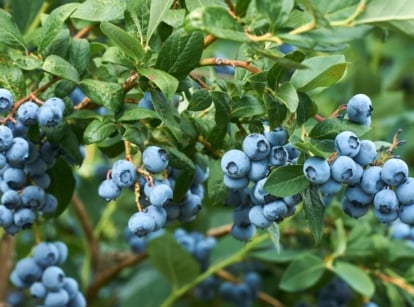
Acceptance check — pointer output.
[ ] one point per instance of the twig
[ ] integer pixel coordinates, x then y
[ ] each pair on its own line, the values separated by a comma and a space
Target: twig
199, 81
396, 281
109, 274
219, 232
7, 243
208, 40
83, 32
225, 62
318, 117
80, 210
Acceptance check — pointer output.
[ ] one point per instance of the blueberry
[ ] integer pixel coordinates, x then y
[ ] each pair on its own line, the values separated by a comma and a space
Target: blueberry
386, 201
158, 214
109, 190
33, 197
24, 217
347, 144
6, 138
357, 196
78, 301
258, 194
62, 250
76, 95
275, 210
241, 215
316, 170
257, 217
343, 169
292, 200
57, 298
27, 113
256, 146
235, 163
371, 181
146, 101
18, 152
137, 244
253, 280
200, 174
394, 171
46, 254
243, 233
359, 109
50, 204
330, 187
55, 102
293, 153
400, 230
49, 115
203, 248
35, 168
235, 183
6, 216
6, 100
367, 153
38, 290
191, 206
406, 214
356, 179
155, 159
160, 194
141, 223
28, 271
277, 136
124, 173
278, 156
384, 216
70, 285
405, 191
53, 278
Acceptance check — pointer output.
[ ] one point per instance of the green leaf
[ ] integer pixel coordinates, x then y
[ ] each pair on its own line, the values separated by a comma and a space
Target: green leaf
98, 130
57, 66
287, 94
27, 62
54, 23
310, 148
12, 78
322, 71
314, 211
181, 53
216, 190
79, 54
276, 112
191, 5
400, 16
242, 7
172, 260
100, 10
174, 18
137, 114
290, 61
306, 109
158, 10
302, 273
276, 11
221, 117
10, 34
280, 69
107, 94
200, 100
284, 255
138, 12
286, 181
123, 40
115, 55
330, 127
217, 21
274, 233
167, 112
356, 278
247, 106
24, 12
62, 184
164, 81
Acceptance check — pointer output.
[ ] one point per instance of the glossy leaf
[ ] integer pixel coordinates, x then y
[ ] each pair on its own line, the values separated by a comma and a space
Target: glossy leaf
276, 11
181, 53
123, 40
242, 7
100, 10
98, 130
138, 12
276, 111
107, 94
200, 100
287, 94
355, 277
321, 71
314, 211
59, 67
164, 81
54, 23
27, 62
10, 34
135, 114
247, 106
79, 54
12, 78
215, 20
306, 108
286, 181
172, 260
302, 273
330, 127
221, 118
115, 55
158, 10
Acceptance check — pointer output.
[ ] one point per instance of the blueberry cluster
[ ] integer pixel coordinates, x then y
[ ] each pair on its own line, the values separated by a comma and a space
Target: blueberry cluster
336, 293
159, 209
243, 293
24, 163
245, 173
46, 281
388, 187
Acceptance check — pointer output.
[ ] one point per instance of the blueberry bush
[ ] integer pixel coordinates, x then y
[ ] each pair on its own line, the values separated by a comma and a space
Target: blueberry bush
206, 153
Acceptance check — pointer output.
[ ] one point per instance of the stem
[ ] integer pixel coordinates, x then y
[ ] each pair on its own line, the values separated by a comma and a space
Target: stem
6, 251
208, 40
318, 117
305, 28
348, 21
396, 281
83, 32
178, 292
36, 21
80, 210
199, 81
225, 62
268, 37
110, 273
219, 232
36, 231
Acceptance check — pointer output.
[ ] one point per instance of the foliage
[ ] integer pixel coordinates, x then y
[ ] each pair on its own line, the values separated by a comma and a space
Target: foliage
117, 51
